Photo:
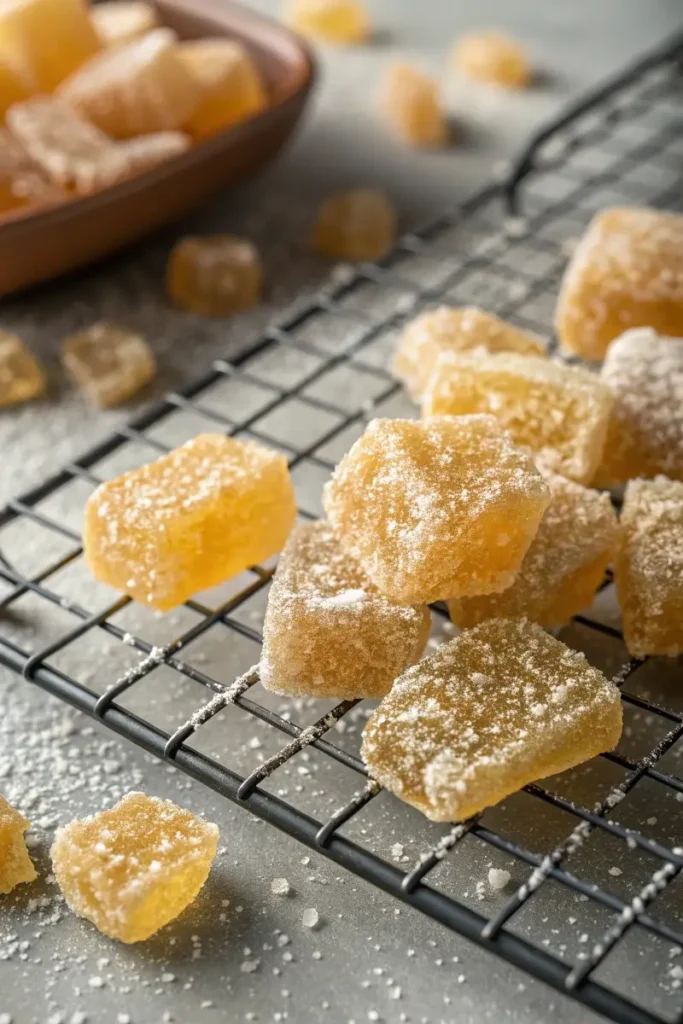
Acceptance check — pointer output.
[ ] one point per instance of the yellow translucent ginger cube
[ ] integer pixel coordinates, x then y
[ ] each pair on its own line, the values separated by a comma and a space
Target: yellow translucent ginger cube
135, 867
119, 21
412, 107
334, 21
626, 271
564, 566
134, 89
355, 226
492, 57
559, 411
13, 86
649, 567
190, 520
445, 507
644, 372
231, 85
453, 329
328, 630
500, 706
110, 364
214, 275
22, 182
46, 39
21, 376
15, 864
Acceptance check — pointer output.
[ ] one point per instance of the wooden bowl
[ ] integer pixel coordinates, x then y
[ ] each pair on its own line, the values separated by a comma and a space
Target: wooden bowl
40, 245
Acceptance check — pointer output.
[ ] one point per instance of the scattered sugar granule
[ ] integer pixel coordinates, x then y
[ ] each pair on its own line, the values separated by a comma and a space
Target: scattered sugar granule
498, 878
397, 851
615, 872
280, 887
310, 918
249, 966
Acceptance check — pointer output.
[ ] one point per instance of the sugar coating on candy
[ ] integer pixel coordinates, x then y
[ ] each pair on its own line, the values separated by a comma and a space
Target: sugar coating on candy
328, 631
438, 508
453, 329
356, 225
564, 566
14, 87
214, 275
649, 567
140, 87
230, 83
644, 372
334, 21
412, 107
46, 39
15, 864
190, 520
559, 411
22, 181
126, 159
119, 21
135, 867
110, 364
492, 57
626, 271
498, 707
21, 376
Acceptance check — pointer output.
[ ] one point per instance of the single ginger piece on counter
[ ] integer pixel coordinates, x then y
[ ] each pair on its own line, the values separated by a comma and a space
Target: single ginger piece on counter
110, 363
438, 508
119, 21
649, 567
492, 57
214, 275
46, 39
500, 706
231, 85
644, 372
559, 411
334, 21
413, 107
190, 520
564, 566
328, 630
21, 376
626, 271
22, 181
355, 226
449, 329
135, 867
15, 864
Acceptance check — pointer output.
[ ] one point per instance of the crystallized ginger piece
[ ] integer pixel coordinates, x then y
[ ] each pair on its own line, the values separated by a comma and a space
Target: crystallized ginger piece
190, 520
500, 706
231, 85
492, 57
334, 21
446, 507
559, 411
131, 157
22, 182
21, 377
626, 271
564, 566
328, 630
649, 567
135, 867
644, 372
110, 364
413, 108
355, 226
119, 21
46, 39
13, 86
448, 329
135, 89
15, 864
214, 275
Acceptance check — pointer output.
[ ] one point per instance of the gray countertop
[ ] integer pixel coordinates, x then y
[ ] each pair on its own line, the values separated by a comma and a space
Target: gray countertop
241, 953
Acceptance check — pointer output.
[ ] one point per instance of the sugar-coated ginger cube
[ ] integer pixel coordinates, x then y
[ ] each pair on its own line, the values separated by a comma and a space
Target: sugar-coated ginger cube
500, 706
231, 85
355, 226
452, 329
110, 364
649, 567
22, 181
15, 864
190, 520
564, 566
334, 21
626, 271
445, 507
328, 631
21, 376
493, 57
46, 39
130, 157
644, 372
119, 21
14, 87
135, 867
140, 87
412, 107
214, 275
559, 411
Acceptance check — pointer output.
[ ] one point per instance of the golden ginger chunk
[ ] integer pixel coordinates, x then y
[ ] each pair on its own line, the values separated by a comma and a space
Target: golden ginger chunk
119, 21
22, 181
110, 364
15, 864
231, 85
21, 376
333, 21
412, 107
355, 226
492, 57
214, 275
14, 87
45, 40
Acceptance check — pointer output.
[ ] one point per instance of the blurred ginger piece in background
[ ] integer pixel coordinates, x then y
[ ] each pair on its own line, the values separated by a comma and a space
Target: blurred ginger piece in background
46, 39
119, 21
413, 107
230, 85
494, 58
334, 21
356, 225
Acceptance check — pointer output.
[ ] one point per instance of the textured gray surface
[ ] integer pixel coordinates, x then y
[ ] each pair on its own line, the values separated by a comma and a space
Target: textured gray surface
55, 764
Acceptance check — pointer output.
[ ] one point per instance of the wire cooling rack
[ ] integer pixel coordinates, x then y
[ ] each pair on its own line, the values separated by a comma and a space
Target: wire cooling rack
308, 386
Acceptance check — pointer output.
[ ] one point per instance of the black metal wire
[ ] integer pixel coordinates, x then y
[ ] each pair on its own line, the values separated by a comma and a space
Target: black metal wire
477, 248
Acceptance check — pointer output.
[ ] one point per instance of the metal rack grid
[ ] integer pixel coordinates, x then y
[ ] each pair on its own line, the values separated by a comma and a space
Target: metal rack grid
326, 362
